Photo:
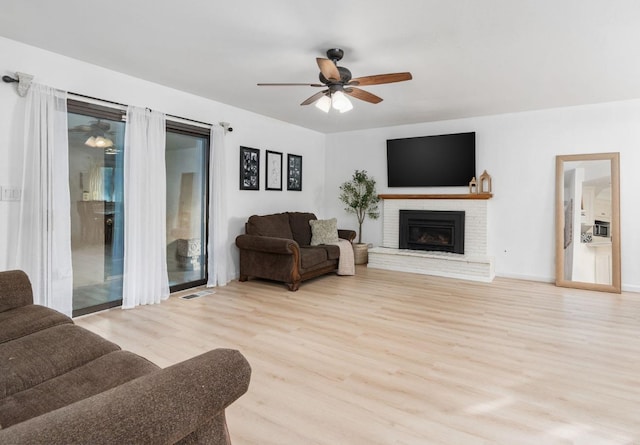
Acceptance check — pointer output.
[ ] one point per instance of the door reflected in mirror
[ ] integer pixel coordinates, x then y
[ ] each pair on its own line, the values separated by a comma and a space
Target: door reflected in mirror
588, 221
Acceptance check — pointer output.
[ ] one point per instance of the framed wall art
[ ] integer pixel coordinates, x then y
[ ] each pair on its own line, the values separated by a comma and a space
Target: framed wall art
274, 170
249, 168
294, 173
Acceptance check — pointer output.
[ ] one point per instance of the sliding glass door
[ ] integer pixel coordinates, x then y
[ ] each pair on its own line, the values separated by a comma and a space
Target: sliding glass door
187, 177
96, 140
96, 169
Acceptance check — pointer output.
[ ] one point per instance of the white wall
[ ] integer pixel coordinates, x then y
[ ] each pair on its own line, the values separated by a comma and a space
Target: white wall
518, 151
250, 130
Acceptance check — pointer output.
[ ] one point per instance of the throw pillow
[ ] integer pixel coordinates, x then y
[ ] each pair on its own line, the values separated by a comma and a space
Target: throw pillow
324, 231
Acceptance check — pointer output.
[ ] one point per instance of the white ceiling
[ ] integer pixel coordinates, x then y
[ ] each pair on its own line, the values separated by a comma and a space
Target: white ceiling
467, 57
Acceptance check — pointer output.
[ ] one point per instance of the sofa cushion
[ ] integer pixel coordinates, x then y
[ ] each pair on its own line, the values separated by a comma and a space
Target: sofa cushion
28, 361
94, 377
312, 256
25, 320
15, 290
333, 251
270, 225
324, 231
300, 227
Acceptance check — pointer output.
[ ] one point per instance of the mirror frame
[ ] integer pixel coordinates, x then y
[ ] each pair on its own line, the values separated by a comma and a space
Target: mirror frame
616, 281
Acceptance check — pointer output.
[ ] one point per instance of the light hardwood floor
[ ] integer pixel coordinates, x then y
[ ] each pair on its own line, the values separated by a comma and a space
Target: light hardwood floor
394, 358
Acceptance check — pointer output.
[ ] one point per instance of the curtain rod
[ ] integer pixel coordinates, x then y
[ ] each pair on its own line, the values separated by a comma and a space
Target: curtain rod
125, 105
9, 79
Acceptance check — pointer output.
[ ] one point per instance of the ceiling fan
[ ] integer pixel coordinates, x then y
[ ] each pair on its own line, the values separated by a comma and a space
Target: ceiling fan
98, 135
338, 82
97, 126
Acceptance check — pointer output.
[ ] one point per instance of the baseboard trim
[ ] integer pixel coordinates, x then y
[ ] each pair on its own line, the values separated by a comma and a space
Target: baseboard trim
625, 287
526, 277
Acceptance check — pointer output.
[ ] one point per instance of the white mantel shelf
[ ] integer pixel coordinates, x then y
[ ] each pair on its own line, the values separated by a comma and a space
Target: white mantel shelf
440, 196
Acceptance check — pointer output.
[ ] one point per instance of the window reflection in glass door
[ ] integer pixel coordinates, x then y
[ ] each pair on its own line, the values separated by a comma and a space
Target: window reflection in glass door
187, 166
96, 139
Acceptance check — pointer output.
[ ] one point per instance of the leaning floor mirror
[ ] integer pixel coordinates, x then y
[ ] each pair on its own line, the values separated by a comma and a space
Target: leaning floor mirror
588, 221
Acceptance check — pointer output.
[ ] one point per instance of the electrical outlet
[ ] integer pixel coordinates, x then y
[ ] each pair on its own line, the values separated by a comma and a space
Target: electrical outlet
11, 193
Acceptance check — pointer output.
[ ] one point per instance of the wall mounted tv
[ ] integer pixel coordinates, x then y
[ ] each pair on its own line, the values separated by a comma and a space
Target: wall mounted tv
431, 161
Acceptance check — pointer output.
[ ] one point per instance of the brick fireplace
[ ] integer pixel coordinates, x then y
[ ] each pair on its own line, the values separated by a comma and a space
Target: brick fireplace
471, 263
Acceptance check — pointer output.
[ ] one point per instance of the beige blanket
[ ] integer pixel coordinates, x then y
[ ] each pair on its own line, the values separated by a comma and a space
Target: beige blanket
346, 263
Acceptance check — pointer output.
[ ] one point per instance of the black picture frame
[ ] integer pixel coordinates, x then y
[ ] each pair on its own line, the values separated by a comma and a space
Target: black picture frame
273, 170
249, 168
294, 173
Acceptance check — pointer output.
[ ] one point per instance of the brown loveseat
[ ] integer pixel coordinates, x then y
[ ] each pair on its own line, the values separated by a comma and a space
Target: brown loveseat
61, 384
277, 247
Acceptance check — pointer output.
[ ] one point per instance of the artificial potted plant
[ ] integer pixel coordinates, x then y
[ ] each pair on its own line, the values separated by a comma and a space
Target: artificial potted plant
360, 197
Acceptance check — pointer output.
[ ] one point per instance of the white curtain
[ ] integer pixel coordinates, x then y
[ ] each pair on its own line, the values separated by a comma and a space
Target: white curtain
145, 280
44, 235
217, 249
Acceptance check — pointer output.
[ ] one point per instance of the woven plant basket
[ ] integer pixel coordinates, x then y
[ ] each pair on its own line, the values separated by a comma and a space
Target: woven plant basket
361, 253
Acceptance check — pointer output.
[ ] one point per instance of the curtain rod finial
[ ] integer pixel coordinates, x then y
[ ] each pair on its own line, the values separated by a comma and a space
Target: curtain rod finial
227, 127
24, 82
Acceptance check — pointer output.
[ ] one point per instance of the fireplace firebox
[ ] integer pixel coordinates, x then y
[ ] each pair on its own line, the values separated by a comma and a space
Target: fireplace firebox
432, 230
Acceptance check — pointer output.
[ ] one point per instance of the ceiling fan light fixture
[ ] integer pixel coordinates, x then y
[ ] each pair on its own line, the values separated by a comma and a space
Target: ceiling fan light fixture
102, 142
340, 102
98, 142
348, 106
324, 104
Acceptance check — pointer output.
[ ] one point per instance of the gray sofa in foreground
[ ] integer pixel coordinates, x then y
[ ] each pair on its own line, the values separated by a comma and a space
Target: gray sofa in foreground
61, 384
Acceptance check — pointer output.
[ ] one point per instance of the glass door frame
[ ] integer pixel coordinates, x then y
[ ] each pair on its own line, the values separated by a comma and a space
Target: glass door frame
200, 132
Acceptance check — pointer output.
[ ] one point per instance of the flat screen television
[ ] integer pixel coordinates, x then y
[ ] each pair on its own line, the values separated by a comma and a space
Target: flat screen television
432, 161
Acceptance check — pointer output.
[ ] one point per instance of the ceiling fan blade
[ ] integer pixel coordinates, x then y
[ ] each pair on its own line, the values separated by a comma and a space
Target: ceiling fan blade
81, 128
314, 98
328, 69
363, 95
290, 84
380, 79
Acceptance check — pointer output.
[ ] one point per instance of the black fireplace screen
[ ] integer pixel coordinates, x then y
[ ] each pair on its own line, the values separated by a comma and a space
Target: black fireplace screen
431, 235
432, 230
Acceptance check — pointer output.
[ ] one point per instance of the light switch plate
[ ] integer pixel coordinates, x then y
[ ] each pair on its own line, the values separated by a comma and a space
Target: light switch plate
11, 193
